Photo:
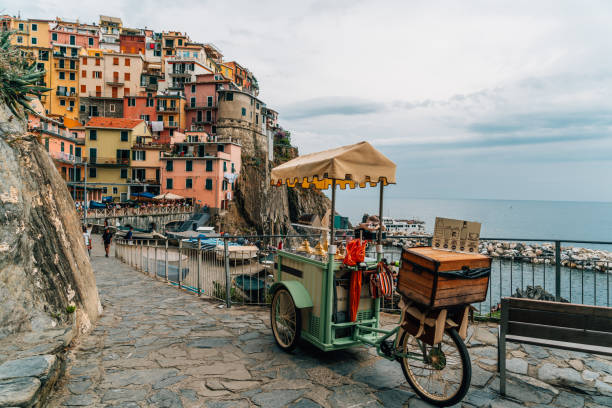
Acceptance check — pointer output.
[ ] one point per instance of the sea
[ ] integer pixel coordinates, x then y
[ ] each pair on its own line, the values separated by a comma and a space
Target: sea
567, 221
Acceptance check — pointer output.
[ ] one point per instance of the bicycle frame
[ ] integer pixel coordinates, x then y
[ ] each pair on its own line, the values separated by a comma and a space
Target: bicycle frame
379, 341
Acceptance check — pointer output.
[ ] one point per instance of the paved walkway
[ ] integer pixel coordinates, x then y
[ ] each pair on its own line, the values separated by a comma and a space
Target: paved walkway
158, 346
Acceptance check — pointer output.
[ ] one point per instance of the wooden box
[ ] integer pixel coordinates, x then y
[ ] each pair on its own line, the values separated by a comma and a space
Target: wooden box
439, 279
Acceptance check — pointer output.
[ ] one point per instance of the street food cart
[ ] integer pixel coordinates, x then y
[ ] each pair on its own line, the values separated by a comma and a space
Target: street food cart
308, 296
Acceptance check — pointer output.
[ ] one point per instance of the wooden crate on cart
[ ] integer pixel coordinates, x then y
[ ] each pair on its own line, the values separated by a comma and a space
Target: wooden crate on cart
440, 279
437, 288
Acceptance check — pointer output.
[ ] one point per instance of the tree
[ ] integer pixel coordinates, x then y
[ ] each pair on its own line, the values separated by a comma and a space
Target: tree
18, 77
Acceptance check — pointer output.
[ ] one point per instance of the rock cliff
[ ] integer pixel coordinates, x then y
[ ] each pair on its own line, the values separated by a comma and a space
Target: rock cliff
271, 210
44, 267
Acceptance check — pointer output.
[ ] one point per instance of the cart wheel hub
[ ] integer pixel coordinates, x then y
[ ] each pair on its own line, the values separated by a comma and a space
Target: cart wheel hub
437, 359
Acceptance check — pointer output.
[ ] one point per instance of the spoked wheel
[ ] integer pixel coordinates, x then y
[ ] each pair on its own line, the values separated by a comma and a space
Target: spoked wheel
286, 320
440, 374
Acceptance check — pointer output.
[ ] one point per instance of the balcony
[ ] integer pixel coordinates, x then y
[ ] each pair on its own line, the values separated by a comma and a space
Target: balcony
115, 82
65, 94
57, 54
202, 107
171, 109
150, 87
202, 122
186, 73
66, 158
107, 161
171, 124
64, 68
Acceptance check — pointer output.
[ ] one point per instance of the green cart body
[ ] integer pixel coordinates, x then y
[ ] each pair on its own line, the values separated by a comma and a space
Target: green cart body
310, 283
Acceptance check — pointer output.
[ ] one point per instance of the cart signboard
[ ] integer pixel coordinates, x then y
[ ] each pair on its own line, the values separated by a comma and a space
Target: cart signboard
456, 235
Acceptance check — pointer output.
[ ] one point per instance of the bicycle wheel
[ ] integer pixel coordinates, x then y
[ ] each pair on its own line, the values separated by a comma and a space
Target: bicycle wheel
286, 320
440, 374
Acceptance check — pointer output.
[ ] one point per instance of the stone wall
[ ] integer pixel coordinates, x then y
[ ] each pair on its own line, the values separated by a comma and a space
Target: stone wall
44, 267
254, 143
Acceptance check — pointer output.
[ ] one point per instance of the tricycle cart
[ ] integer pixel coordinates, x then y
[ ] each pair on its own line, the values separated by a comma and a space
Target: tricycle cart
310, 295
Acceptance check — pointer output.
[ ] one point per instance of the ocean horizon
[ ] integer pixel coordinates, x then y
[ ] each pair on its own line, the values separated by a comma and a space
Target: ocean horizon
517, 219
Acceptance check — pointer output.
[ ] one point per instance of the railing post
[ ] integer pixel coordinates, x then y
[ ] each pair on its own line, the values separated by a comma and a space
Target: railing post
156, 263
166, 262
140, 263
228, 292
148, 264
180, 262
558, 271
199, 252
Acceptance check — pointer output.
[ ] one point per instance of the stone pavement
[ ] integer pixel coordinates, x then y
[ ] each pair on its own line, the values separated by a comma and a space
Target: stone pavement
158, 346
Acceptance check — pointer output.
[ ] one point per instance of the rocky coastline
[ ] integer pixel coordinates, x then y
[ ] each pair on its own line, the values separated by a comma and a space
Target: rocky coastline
534, 253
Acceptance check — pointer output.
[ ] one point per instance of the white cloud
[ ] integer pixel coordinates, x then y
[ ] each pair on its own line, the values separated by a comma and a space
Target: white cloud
490, 84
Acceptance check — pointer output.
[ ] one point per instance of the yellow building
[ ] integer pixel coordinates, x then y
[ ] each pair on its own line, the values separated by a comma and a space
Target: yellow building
64, 81
32, 36
227, 71
108, 151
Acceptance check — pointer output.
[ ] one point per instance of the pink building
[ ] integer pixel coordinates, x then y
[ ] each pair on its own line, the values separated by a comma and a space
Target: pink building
202, 168
201, 102
80, 35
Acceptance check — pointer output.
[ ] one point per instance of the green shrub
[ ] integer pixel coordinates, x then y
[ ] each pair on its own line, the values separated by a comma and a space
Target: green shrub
18, 77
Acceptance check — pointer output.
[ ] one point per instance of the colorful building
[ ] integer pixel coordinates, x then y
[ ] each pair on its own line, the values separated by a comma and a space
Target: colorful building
75, 34
202, 168
132, 41
170, 40
145, 168
64, 81
105, 79
108, 151
110, 30
201, 100
140, 107
170, 116
32, 37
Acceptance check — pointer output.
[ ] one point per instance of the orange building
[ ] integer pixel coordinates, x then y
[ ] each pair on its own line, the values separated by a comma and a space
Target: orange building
170, 117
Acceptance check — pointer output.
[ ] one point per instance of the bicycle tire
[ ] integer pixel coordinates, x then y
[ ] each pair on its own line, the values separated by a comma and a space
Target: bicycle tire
465, 379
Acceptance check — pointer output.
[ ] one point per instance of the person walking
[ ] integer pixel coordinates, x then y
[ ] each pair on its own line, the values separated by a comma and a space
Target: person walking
129, 234
107, 236
87, 240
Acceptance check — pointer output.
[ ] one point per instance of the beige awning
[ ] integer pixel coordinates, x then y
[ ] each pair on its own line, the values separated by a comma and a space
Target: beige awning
357, 165
169, 196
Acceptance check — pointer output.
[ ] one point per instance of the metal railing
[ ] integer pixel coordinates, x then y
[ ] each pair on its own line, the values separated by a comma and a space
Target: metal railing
244, 276
583, 278
123, 212
223, 270
100, 161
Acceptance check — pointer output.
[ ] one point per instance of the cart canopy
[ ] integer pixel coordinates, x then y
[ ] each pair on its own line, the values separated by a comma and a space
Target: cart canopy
357, 165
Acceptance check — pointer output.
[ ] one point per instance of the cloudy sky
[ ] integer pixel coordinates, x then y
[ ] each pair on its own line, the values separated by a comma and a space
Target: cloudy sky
472, 99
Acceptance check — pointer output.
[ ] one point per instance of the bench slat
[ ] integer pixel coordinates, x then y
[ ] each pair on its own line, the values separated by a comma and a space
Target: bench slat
559, 307
607, 351
560, 319
593, 338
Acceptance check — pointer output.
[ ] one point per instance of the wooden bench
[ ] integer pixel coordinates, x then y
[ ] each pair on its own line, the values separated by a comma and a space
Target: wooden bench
565, 326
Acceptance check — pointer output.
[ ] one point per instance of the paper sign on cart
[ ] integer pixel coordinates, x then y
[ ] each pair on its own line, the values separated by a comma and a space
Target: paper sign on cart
456, 235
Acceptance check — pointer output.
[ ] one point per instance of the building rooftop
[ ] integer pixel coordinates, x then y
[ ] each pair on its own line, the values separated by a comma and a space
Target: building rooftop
112, 123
